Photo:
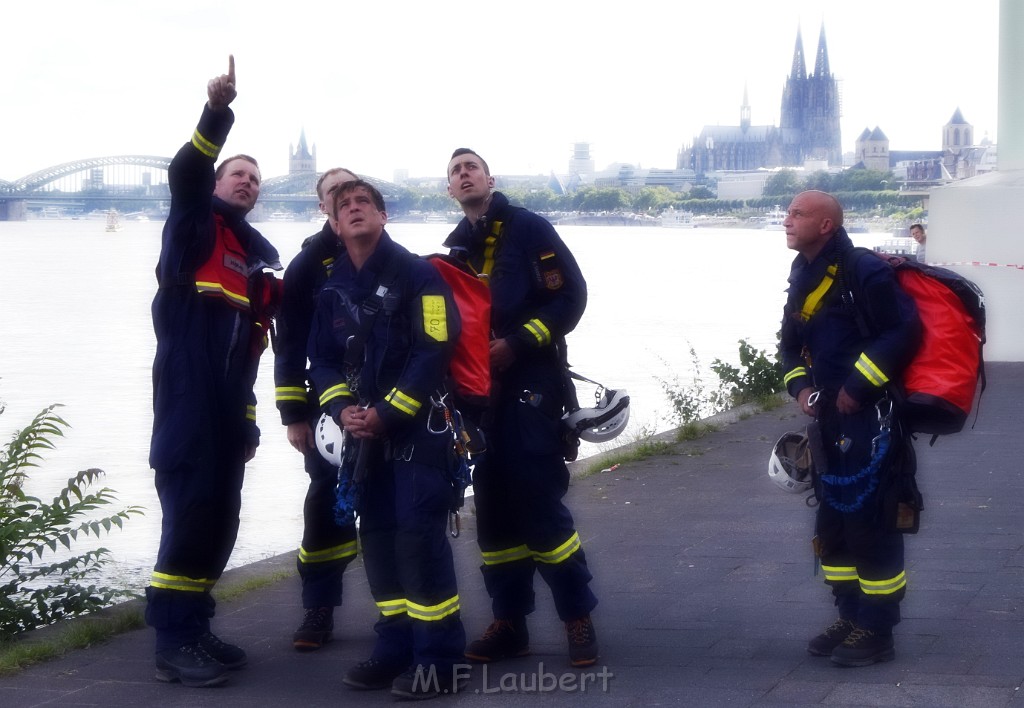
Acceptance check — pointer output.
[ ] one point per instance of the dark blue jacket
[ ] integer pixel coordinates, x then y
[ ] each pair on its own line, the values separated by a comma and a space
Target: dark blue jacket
306, 274
817, 322
206, 358
538, 293
408, 351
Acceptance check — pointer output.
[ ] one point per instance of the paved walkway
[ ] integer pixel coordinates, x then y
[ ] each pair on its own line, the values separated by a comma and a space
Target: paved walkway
704, 572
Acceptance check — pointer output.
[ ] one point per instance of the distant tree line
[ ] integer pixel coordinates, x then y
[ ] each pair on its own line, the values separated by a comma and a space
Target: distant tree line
858, 190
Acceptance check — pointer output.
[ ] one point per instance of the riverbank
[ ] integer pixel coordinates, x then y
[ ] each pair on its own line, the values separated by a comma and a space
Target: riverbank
704, 573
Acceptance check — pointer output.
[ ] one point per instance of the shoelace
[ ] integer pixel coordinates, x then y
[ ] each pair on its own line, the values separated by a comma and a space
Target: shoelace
858, 635
315, 617
579, 631
498, 626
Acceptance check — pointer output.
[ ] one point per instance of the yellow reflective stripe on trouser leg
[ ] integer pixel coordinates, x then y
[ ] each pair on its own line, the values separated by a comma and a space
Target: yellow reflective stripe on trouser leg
838, 573
871, 372
390, 608
181, 583
433, 613
506, 555
884, 587
345, 550
561, 553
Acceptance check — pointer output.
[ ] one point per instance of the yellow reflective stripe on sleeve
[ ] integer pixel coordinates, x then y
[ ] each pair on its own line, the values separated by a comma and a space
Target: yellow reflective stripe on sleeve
250, 412
836, 573
290, 393
205, 146
333, 392
883, 587
345, 550
795, 373
390, 608
433, 613
561, 553
218, 289
539, 330
435, 319
507, 555
402, 402
814, 301
871, 372
181, 582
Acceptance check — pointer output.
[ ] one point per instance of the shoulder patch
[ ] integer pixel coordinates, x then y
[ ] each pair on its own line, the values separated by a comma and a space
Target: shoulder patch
435, 320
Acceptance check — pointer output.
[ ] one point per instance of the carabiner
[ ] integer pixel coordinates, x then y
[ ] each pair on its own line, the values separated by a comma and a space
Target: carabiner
812, 400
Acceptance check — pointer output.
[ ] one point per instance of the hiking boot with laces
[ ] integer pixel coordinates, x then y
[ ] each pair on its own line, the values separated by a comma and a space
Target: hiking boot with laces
228, 654
191, 664
421, 682
862, 647
824, 643
316, 629
582, 641
371, 675
503, 639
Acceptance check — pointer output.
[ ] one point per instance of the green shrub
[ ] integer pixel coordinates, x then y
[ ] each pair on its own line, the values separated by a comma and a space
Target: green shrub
35, 593
757, 377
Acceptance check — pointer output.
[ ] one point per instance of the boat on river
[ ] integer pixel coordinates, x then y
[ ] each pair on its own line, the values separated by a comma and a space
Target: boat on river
676, 219
113, 221
773, 219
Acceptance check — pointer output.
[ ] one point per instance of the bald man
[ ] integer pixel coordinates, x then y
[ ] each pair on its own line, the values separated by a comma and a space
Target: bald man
840, 376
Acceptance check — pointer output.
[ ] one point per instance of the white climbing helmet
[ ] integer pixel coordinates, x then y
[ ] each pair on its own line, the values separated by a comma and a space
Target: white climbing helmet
790, 464
604, 421
330, 440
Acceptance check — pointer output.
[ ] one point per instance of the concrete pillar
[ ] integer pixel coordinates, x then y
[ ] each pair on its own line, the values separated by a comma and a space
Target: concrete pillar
976, 221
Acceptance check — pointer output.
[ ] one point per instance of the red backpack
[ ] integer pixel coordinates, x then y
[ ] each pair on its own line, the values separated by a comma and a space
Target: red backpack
936, 392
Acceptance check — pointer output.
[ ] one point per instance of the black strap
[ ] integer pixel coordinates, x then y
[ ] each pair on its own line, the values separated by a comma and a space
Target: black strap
368, 311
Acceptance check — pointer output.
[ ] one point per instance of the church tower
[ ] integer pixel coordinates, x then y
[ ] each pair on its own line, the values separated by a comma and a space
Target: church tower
300, 160
821, 138
957, 133
810, 109
745, 112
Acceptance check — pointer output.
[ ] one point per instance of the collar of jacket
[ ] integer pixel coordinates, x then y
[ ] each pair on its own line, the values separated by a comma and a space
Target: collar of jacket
259, 252
838, 244
465, 235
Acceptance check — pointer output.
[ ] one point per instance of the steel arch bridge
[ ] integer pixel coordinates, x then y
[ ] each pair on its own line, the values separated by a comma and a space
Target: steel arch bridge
294, 185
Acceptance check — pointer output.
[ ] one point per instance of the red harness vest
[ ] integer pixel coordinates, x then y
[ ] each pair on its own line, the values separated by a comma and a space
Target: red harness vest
226, 274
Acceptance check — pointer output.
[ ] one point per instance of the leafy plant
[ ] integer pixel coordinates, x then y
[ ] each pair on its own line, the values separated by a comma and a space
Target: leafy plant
693, 401
35, 593
757, 377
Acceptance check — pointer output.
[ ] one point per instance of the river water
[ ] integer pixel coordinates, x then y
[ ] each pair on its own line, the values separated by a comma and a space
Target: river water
75, 329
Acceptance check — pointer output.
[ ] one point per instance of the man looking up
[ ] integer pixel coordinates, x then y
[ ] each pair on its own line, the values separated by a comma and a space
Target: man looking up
839, 375
326, 548
382, 339
211, 315
538, 296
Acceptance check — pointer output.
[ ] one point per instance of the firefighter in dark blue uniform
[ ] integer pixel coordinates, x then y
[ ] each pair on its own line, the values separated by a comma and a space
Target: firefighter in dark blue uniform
381, 397
211, 314
825, 353
538, 296
327, 547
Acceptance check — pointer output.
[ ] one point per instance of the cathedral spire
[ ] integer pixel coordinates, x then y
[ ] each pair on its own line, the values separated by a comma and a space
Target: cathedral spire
821, 69
799, 71
745, 111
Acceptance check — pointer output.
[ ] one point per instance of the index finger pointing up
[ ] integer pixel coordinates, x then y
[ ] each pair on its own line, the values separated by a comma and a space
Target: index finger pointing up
231, 68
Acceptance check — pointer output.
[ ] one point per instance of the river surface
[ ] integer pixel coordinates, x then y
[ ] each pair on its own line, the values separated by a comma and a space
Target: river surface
75, 329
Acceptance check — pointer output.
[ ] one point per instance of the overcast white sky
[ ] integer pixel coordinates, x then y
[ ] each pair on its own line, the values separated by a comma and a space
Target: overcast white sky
398, 84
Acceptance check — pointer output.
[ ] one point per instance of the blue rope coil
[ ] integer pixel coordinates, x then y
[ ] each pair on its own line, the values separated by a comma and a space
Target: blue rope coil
868, 474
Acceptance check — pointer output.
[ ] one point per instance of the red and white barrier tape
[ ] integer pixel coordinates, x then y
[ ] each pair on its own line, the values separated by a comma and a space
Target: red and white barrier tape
977, 263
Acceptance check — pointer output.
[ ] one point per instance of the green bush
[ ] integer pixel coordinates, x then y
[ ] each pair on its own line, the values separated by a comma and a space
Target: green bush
756, 378
35, 593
